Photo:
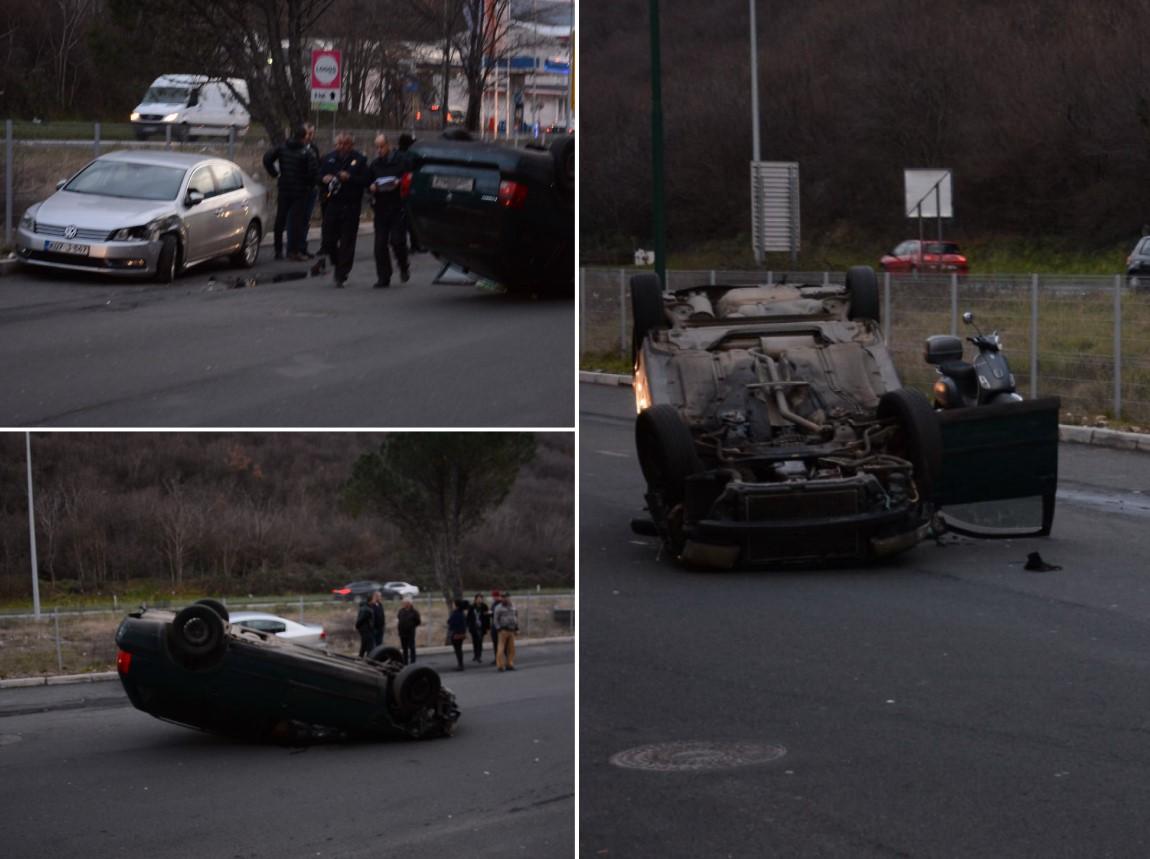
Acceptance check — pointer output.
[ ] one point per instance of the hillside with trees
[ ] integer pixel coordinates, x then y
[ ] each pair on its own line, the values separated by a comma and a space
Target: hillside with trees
238, 513
1041, 108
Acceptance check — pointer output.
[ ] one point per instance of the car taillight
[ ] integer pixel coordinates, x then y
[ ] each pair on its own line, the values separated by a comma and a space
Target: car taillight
405, 185
123, 661
512, 195
323, 635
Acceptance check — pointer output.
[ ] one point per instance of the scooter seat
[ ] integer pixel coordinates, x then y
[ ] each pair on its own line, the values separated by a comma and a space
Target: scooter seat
964, 376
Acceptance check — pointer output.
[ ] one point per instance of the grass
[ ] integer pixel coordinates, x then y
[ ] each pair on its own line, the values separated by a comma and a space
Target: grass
28, 648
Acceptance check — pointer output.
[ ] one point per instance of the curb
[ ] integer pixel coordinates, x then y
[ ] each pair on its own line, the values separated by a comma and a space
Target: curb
100, 676
1116, 439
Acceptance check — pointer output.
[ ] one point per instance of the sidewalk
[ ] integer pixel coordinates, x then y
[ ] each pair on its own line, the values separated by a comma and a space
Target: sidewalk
96, 677
1066, 432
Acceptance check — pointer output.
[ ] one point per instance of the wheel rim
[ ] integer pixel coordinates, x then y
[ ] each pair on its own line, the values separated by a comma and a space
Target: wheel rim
251, 245
196, 632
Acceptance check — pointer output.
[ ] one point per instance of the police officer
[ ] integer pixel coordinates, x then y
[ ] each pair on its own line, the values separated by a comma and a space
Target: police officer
343, 175
390, 227
405, 141
296, 168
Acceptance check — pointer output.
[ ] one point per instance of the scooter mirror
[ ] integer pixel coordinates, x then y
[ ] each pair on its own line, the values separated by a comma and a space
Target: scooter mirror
968, 317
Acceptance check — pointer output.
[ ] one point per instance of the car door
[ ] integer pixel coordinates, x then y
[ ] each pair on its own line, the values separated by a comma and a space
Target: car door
233, 205
202, 220
999, 468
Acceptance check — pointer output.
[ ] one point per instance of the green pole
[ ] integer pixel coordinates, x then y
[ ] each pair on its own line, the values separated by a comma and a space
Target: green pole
657, 202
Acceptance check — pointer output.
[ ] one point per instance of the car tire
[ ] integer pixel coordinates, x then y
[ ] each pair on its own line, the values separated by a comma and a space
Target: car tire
196, 636
667, 455
862, 284
647, 312
415, 687
386, 653
563, 154
249, 253
168, 262
216, 606
921, 440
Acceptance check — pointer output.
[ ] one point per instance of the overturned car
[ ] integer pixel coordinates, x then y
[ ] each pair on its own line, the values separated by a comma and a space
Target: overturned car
194, 668
773, 430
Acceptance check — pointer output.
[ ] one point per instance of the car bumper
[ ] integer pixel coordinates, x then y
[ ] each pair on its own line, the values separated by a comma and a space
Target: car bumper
118, 258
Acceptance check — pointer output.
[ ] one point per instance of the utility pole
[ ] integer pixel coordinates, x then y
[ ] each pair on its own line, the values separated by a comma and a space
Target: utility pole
32, 530
657, 202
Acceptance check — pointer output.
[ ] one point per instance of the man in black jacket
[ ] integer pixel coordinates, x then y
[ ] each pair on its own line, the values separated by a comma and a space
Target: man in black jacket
294, 165
390, 227
343, 175
364, 626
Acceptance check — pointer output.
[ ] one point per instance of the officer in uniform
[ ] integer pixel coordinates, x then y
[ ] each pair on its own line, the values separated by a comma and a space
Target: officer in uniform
390, 226
343, 175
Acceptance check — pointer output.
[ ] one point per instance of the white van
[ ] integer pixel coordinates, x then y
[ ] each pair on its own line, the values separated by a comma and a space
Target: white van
193, 105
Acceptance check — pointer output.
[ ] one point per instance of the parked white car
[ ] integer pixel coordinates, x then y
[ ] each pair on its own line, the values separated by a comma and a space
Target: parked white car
402, 588
307, 634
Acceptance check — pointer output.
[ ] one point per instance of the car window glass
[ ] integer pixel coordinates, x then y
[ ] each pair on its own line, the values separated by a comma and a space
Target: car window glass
125, 179
202, 181
227, 178
1144, 246
941, 248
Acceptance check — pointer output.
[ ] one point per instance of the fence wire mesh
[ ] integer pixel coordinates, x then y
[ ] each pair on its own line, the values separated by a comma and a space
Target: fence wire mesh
1084, 338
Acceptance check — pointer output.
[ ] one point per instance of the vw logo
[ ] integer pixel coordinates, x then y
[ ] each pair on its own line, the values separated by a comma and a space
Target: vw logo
70, 231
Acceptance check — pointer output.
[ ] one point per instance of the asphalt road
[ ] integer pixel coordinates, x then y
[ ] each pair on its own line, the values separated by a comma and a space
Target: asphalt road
83, 774
81, 351
945, 704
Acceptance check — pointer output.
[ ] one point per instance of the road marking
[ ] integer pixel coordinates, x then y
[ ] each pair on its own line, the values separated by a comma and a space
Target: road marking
614, 453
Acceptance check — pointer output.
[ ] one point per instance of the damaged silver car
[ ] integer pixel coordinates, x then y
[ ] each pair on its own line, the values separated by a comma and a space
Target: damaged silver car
773, 429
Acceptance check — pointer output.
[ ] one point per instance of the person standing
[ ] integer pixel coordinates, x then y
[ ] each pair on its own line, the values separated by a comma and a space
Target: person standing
482, 617
386, 171
507, 622
457, 630
405, 141
364, 622
406, 621
312, 196
494, 631
378, 622
296, 170
343, 175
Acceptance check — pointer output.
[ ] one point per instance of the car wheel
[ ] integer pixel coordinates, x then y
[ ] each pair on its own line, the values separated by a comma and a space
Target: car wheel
920, 439
196, 636
249, 251
386, 653
166, 266
647, 312
415, 687
667, 455
863, 288
563, 154
216, 606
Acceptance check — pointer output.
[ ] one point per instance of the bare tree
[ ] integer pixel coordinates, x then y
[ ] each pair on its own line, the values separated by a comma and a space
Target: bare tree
180, 519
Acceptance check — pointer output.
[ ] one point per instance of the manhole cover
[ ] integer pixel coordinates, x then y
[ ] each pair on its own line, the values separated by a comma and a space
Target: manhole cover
696, 756
9, 739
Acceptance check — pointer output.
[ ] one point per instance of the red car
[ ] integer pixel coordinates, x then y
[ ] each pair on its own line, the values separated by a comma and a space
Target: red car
932, 256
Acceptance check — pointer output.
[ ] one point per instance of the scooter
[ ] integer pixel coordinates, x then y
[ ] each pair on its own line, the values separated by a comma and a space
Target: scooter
988, 380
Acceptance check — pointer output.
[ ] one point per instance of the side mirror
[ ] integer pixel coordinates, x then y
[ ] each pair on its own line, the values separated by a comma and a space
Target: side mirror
61, 184
194, 198
968, 318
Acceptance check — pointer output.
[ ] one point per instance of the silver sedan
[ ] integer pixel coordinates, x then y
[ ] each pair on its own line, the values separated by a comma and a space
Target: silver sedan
147, 213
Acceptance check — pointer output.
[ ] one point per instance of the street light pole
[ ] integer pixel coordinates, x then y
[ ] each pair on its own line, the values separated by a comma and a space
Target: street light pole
657, 204
755, 151
32, 530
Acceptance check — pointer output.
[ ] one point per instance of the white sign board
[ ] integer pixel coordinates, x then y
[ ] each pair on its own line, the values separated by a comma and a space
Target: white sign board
774, 207
928, 193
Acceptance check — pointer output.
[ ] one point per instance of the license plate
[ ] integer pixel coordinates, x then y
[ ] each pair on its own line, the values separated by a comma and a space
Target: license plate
452, 183
67, 248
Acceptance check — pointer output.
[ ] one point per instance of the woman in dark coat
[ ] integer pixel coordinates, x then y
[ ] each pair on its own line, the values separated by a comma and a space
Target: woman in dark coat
478, 623
457, 630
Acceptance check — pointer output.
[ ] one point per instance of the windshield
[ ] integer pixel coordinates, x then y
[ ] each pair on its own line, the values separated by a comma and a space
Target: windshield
166, 95
125, 179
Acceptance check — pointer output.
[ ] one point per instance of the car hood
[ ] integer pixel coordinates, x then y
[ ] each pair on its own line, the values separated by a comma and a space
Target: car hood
93, 211
160, 107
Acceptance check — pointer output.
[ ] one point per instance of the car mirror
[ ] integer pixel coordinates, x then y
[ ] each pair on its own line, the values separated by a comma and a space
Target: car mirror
968, 317
194, 198
61, 184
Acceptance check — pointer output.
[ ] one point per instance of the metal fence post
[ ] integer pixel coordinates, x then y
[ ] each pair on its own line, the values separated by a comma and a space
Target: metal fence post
826, 278
1033, 336
582, 310
622, 311
96, 145
167, 135
301, 609
231, 143
953, 304
712, 277
8, 182
59, 653
1117, 347
886, 307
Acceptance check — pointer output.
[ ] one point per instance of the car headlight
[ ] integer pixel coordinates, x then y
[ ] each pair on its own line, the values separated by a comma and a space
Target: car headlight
171, 117
146, 233
135, 115
28, 220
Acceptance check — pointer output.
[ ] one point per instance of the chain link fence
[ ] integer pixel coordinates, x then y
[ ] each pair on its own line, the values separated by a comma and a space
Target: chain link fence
1083, 338
73, 641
